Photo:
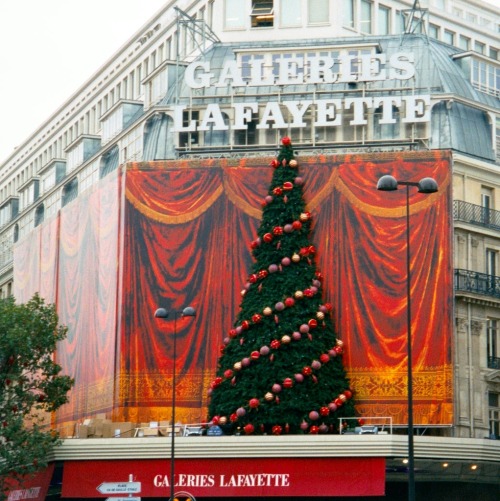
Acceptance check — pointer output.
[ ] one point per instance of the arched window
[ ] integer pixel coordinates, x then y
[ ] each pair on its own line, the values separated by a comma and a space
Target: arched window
70, 191
39, 215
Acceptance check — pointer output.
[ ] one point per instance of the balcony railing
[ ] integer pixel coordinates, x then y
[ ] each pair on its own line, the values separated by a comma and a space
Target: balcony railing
476, 214
478, 283
493, 362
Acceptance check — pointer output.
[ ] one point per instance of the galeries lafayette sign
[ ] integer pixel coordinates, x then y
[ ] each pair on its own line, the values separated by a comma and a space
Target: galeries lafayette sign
232, 477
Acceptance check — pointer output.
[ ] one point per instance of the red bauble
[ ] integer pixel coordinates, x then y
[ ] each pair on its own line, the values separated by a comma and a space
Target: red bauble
287, 382
215, 420
277, 429
339, 350
268, 238
278, 230
314, 430
338, 402
311, 249
262, 274
289, 301
324, 411
278, 191
249, 428
252, 278
245, 324
254, 244
228, 373
233, 417
319, 276
233, 333
324, 358
275, 163
296, 225
256, 318
348, 394
275, 344
287, 186
216, 382
286, 141
328, 306
254, 355
313, 323
253, 403
307, 371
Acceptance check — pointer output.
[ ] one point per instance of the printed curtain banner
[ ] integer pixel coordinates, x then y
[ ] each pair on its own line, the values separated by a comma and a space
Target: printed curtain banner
228, 477
176, 233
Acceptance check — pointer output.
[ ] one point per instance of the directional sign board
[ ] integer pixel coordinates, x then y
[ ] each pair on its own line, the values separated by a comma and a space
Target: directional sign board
119, 488
129, 498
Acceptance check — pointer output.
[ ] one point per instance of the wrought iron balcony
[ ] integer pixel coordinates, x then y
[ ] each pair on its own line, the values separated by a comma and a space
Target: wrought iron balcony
493, 362
476, 214
478, 283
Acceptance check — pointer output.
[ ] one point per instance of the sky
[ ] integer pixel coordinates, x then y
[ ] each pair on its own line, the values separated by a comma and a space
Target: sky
49, 48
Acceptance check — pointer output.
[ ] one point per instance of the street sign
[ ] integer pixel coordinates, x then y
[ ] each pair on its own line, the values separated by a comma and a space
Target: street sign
129, 498
119, 488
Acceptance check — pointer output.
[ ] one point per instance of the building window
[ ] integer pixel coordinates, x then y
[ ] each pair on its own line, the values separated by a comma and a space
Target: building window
70, 192
16, 233
290, 13
494, 414
318, 11
188, 139
464, 42
349, 19
494, 53
234, 14
248, 136
434, 31
384, 17
400, 22
365, 21
479, 47
39, 215
449, 37
493, 344
486, 199
262, 14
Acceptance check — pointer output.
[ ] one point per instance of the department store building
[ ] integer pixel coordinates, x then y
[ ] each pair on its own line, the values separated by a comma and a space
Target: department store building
140, 191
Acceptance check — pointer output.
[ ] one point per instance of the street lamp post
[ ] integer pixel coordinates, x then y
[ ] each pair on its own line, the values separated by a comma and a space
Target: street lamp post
163, 313
425, 185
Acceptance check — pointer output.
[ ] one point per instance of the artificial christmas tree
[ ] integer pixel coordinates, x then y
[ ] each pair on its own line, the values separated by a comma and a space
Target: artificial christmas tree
280, 369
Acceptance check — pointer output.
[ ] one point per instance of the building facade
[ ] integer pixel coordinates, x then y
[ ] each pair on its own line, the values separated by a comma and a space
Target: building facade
210, 80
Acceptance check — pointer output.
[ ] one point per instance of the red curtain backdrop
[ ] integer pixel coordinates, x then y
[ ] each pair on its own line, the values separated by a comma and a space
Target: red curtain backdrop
186, 243
178, 235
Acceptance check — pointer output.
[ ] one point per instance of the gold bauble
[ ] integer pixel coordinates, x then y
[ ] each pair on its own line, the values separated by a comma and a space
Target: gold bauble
299, 295
340, 342
293, 163
286, 339
223, 420
295, 258
320, 315
267, 311
304, 217
269, 396
237, 366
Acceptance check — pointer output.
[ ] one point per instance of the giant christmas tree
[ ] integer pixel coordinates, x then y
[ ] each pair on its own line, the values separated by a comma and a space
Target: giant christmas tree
280, 369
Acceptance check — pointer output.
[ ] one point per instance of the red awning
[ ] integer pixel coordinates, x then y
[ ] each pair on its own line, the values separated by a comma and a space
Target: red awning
33, 487
231, 477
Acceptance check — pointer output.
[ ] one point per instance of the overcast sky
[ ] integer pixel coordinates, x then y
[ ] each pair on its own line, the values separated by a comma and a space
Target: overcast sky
49, 48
